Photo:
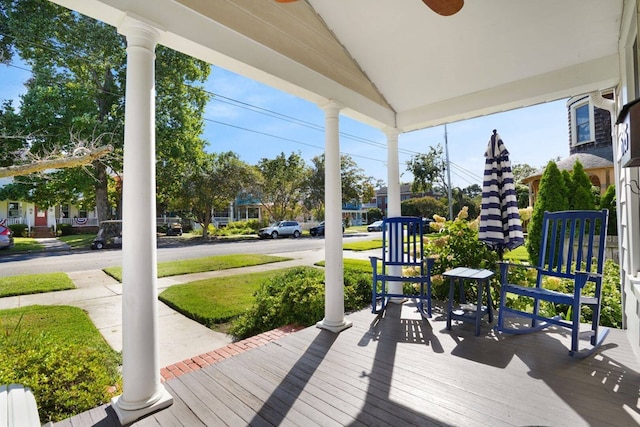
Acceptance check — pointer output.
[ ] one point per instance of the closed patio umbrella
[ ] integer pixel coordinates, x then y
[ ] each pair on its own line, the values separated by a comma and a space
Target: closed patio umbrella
500, 225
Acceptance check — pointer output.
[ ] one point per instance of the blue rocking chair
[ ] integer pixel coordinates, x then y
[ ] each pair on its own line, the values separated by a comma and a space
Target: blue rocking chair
402, 246
572, 247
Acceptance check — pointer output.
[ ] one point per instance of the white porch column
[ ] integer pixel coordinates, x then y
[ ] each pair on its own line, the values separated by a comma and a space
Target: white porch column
393, 198
142, 391
334, 276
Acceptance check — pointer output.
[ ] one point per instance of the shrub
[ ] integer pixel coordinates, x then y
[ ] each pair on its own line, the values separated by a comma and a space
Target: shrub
457, 245
65, 229
65, 377
19, 230
297, 297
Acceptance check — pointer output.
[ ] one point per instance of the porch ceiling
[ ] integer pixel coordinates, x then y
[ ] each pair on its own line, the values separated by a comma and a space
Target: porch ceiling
396, 63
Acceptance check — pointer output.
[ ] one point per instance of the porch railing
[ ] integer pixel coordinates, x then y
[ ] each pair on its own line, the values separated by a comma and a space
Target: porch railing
78, 222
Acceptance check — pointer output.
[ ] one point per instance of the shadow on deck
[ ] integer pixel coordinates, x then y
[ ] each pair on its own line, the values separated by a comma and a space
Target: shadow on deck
402, 370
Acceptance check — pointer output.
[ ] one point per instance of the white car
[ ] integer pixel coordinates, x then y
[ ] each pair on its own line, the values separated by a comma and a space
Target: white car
280, 229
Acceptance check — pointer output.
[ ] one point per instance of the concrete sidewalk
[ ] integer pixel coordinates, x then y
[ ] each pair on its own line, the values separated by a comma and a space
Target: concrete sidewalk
180, 337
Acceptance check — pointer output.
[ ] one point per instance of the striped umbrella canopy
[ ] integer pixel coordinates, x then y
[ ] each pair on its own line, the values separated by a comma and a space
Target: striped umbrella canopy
500, 226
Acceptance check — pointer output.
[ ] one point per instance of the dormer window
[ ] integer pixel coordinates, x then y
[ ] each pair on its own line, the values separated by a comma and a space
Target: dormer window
582, 123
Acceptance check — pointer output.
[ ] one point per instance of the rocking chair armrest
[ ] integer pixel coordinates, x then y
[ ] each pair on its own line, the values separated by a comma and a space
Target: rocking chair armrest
582, 277
374, 263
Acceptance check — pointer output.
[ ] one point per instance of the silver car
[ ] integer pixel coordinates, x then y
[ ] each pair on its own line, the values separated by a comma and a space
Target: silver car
279, 229
6, 237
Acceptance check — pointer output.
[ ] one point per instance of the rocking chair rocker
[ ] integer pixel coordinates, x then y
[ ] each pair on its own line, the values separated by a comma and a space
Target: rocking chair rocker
572, 247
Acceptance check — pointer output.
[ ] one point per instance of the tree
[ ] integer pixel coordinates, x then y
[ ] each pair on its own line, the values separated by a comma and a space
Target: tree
608, 201
521, 171
374, 214
428, 169
522, 194
581, 194
213, 183
424, 207
356, 186
552, 196
282, 186
78, 67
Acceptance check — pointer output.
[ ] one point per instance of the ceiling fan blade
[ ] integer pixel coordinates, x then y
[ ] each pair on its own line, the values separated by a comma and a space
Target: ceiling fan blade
444, 7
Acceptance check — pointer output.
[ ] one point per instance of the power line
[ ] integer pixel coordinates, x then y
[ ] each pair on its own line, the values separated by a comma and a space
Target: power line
216, 97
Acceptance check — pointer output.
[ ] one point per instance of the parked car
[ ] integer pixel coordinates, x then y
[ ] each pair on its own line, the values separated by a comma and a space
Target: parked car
109, 235
318, 230
281, 229
6, 237
375, 226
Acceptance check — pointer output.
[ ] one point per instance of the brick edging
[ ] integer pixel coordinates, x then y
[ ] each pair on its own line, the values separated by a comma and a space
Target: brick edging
214, 356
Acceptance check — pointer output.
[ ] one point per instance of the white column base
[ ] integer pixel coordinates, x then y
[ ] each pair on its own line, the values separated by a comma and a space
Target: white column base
333, 326
128, 416
395, 288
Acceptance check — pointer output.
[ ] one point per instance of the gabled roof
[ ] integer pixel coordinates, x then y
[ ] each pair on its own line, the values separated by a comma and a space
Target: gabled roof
396, 62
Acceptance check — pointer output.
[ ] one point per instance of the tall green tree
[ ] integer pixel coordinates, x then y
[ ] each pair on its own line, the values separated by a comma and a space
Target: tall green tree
282, 187
582, 195
356, 185
77, 88
213, 183
552, 197
608, 201
428, 170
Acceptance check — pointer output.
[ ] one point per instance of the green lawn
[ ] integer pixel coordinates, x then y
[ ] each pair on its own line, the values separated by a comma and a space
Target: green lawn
363, 245
199, 265
518, 254
34, 284
23, 244
58, 353
78, 241
354, 264
215, 301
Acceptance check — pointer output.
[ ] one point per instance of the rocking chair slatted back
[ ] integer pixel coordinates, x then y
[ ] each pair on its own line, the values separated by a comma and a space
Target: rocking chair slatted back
573, 238
402, 246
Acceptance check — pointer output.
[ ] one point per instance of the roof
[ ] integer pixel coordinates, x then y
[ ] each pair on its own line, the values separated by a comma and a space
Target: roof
396, 63
595, 159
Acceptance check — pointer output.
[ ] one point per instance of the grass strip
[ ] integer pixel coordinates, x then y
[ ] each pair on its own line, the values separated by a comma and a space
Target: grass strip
199, 265
218, 300
34, 284
78, 241
362, 265
24, 244
364, 245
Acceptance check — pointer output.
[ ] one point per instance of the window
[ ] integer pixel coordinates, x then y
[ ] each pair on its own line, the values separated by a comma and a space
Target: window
82, 213
64, 211
582, 123
14, 210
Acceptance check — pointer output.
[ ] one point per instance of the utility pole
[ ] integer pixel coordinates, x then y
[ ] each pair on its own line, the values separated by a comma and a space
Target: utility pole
446, 150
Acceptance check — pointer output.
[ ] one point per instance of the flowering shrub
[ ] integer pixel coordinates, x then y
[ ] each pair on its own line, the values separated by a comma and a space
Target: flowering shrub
457, 245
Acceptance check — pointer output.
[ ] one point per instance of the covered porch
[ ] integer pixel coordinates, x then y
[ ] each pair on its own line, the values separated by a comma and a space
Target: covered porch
399, 67
402, 370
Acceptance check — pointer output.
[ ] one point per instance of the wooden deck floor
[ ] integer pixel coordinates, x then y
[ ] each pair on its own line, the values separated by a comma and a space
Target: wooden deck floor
401, 370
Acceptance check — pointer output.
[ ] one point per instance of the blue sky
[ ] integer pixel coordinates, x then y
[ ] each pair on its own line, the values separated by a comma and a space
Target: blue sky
258, 122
